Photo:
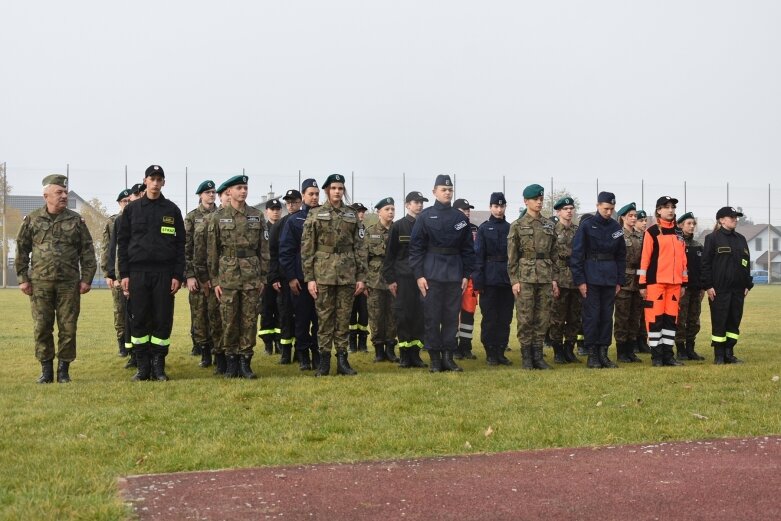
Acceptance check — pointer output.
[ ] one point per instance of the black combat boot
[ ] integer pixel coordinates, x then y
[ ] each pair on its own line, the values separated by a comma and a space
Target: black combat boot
352, 339
342, 365
268, 342
622, 349
404, 362
448, 364
196, 350
537, 359
642, 345
718, 355
131, 360
47, 372
436, 361
379, 352
693, 355
569, 352
490, 355
232, 366
314, 354
62, 372
500, 358
527, 358
245, 367
121, 346
287, 353
390, 354
558, 354
593, 361
682, 353
630, 352
414, 358
144, 364
362, 336
603, 359
158, 366
206, 356
220, 363
304, 364
324, 367
668, 357
729, 356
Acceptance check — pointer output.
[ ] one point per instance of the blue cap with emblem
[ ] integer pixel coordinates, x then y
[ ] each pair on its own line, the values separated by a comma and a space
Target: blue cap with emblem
606, 197
388, 201
206, 185
626, 209
564, 201
308, 183
443, 180
498, 198
333, 178
533, 191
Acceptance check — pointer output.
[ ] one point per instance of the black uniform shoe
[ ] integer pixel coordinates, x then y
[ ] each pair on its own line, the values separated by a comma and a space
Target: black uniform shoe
314, 354
304, 364
390, 354
499, 355
121, 346
693, 355
47, 372
537, 359
352, 342
220, 363
490, 355
404, 358
287, 353
342, 365
642, 346
158, 367
232, 368
131, 360
362, 336
558, 354
448, 364
206, 356
622, 350
414, 358
729, 356
245, 367
604, 360
527, 358
196, 350
436, 361
593, 361
668, 358
682, 353
144, 364
718, 355
62, 372
379, 352
569, 352
324, 367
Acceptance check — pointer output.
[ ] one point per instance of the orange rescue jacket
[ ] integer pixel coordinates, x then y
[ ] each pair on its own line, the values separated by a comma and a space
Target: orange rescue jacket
664, 256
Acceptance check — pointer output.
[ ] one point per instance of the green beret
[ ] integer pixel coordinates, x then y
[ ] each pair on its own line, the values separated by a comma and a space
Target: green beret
641, 214
533, 191
626, 209
221, 188
333, 178
687, 215
56, 179
206, 185
124, 193
235, 180
388, 201
564, 201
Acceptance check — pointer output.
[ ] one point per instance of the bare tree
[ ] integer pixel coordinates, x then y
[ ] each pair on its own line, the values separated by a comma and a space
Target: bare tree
552, 197
95, 216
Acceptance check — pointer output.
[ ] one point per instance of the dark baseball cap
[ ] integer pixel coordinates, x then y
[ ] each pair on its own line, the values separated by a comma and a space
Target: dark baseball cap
273, 204
358, 207
292, 195
154, 170
415, 196
463, 204
728, 211
665, 199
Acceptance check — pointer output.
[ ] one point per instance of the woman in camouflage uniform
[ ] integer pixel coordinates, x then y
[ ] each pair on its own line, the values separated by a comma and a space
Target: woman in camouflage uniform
691, 302
629, 305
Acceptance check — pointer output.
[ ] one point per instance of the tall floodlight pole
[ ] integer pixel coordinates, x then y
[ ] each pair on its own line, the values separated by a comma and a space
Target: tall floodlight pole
5, 237
186, 189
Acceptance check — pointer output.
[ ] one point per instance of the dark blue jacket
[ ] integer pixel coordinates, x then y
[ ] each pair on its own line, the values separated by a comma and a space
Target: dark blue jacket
290, 245
491, 254
599, 253
441, 247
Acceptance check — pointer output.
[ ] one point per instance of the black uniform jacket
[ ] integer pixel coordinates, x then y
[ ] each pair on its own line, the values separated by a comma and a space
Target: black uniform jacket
726, 262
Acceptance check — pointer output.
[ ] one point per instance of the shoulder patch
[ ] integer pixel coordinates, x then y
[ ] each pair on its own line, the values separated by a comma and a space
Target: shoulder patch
226, 220
618, 234
253, 218
166, 219
199, 220
460, 225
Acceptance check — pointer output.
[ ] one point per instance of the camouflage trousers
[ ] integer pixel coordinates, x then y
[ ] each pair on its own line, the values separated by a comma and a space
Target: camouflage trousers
532, 311
333, 305
628, 315
50, 300
119, 312
381, 320
565, 319
199, 318
689, 309
239, 311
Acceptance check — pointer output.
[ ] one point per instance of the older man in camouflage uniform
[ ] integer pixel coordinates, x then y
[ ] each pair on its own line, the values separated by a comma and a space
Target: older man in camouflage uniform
380, 303
110, 270
333, 256
195, 223
236, 245
532, 255
55, 264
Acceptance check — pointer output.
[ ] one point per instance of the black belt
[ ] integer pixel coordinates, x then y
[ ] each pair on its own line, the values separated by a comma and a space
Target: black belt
497, 258
444, 251
532, 255
601, 256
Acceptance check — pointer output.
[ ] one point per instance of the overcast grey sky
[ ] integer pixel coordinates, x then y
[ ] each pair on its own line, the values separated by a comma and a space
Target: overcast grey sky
575, 90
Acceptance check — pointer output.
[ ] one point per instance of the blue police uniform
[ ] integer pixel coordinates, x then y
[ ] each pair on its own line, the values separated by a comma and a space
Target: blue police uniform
491, 279
442, 250
599, 261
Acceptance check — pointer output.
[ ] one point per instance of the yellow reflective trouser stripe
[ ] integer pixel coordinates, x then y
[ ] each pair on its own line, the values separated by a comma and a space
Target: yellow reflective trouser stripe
581, 337
128, 345
277, 330
402, 344
286, 340
266, 332
353, 327
160, 341
732, 335
361, 327
718, 338
139, 339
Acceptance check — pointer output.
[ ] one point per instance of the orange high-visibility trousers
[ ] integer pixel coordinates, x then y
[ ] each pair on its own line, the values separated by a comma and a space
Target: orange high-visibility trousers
661, 315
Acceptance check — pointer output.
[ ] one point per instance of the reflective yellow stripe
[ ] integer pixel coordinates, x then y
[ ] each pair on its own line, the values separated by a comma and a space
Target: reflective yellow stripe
139, 340
362, 328
277, 331
732, 335
160, 341
403, 345
286, 341
718, 338
128, 345
416, 343
353, 327
581, 337
266, 332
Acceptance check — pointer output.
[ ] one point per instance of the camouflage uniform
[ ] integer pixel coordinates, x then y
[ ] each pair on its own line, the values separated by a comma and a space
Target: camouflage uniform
235, 245
629, 303
381, 321
565, 311
333, 255
110, 272
531, 261
201, 270
195, 223
62, 256
690, 306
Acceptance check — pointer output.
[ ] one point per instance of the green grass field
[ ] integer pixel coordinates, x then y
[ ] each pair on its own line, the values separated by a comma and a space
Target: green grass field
62, 447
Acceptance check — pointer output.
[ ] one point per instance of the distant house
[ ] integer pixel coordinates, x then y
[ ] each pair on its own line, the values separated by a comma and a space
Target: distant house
757, 238
27, 203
